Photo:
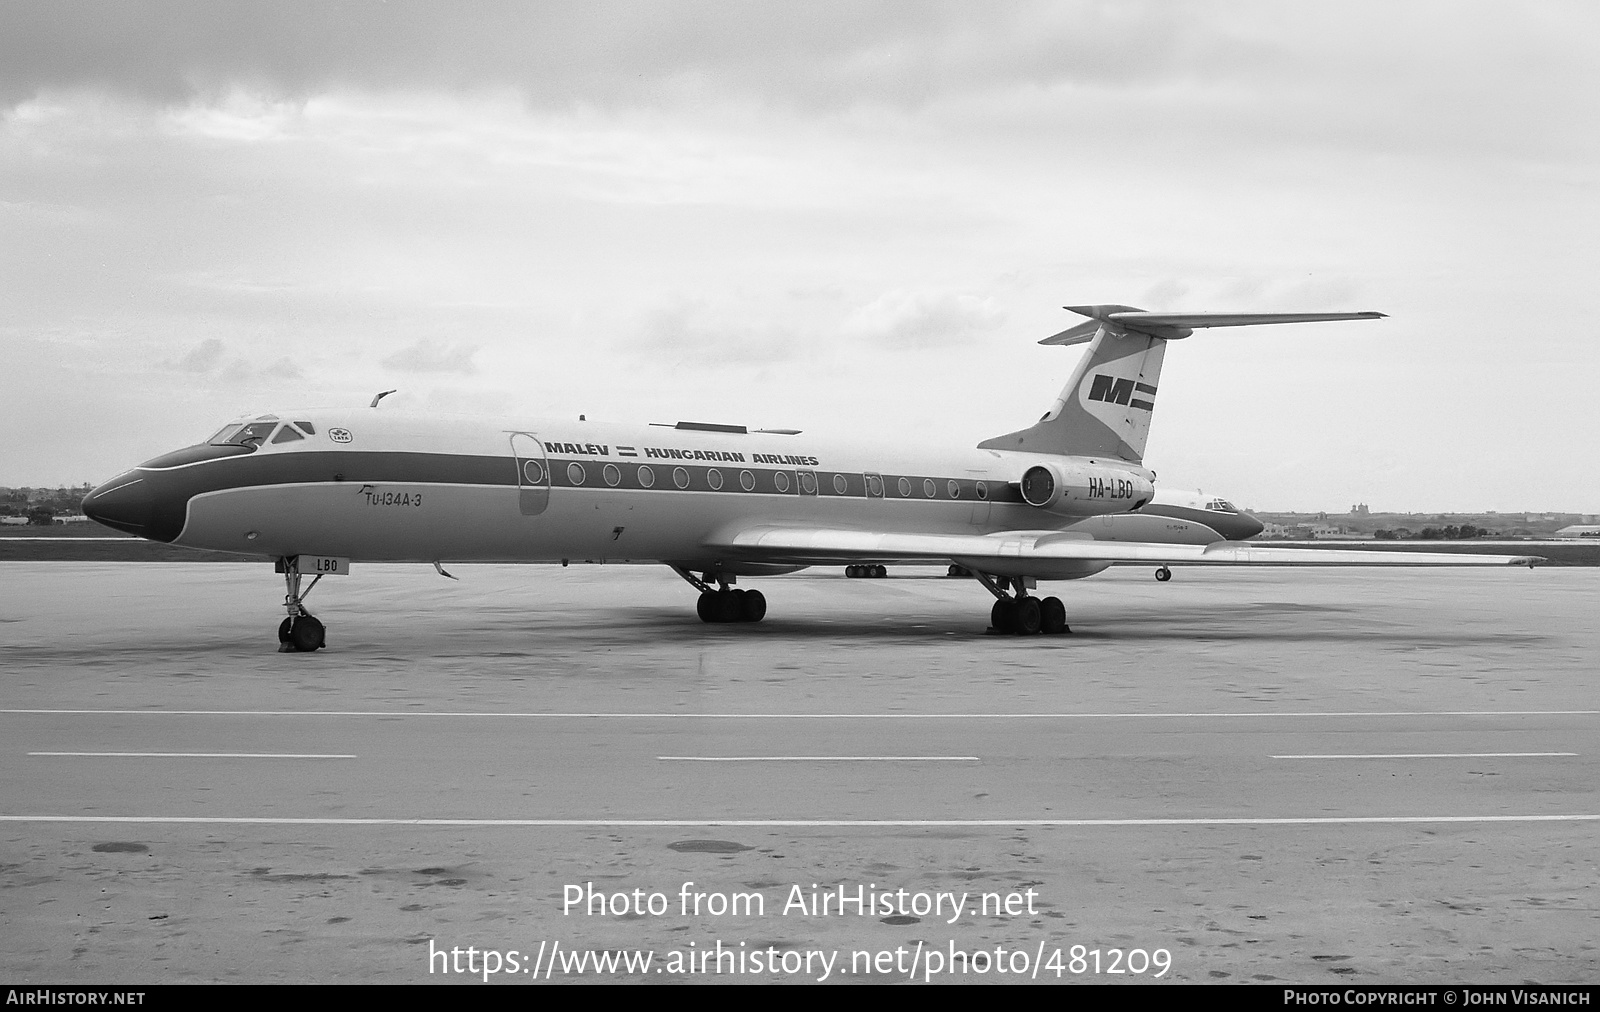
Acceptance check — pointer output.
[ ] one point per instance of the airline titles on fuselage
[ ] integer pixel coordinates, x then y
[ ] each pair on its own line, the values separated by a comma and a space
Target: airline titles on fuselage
673, 453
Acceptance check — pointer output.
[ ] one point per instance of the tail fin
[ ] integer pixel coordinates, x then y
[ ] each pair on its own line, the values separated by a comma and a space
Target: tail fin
1105, 408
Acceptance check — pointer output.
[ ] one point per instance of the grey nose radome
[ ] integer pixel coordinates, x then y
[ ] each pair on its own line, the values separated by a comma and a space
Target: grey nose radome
133, 502
1246, 526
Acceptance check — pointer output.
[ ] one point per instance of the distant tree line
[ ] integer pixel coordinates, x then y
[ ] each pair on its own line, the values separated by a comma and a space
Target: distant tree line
41, 506
1448, 533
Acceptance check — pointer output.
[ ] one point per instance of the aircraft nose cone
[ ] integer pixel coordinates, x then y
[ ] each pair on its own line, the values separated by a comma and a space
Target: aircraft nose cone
132, 502
1248, 527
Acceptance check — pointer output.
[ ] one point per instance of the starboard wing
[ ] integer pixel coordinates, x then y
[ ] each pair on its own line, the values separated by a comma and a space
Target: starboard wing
1017, 552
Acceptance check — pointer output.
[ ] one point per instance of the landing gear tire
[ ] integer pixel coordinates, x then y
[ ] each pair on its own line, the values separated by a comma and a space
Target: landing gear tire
727, 605
1028, 617
1163, 574
961, 571
1053, 616
731, 606
301, 634
879, 572
754, 606
1003, 616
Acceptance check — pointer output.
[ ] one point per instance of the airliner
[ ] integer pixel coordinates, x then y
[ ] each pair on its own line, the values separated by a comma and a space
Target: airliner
318, 489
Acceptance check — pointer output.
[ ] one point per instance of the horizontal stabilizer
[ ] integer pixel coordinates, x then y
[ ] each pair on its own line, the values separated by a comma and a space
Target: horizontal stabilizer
1083, 333
1172, 326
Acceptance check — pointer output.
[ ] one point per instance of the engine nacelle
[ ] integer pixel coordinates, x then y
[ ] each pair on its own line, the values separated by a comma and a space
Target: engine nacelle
1084, 489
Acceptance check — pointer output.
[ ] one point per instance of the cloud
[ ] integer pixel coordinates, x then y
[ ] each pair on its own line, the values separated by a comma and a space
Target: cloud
690, 330
901, 319
203, 357
430, 357
283, 368
625, 50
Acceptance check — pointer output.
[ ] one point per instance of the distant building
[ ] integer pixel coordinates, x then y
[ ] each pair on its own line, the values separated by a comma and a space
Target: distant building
14, 521
1579, 531
1360, 509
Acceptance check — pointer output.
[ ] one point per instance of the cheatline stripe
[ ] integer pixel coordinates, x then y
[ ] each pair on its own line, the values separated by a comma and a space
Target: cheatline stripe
196, 755
1428, 755
818, 758
620, 715
795, 823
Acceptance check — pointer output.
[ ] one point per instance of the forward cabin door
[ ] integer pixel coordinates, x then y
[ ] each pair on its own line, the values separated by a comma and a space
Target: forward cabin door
533, 473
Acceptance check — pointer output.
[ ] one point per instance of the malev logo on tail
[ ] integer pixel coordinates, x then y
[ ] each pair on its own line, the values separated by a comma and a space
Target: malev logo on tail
1121, 390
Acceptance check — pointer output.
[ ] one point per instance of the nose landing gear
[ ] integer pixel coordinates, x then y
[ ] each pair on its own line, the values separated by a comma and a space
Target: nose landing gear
301, 632
1163, 574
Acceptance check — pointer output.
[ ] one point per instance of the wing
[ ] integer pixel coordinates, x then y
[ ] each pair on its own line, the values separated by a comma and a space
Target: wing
1048, 553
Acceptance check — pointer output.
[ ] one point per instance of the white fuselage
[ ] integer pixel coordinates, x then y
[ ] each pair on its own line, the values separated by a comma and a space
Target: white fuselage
374, 485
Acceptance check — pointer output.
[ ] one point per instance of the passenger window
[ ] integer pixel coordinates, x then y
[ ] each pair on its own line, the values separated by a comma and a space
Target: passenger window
613, 475
929, 489
780, 481
955, 489
983, 490
905, 486
839, 484
575, 473
747, 481
647, 476
680, 477
714, 478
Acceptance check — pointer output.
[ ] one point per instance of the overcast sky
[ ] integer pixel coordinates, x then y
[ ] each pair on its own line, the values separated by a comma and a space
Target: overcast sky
845, 218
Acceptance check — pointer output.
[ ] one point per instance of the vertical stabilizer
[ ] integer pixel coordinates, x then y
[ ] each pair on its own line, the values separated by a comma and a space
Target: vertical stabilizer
1105, 408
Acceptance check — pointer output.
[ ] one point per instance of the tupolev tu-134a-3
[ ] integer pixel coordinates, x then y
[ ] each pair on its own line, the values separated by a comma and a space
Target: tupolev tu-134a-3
1062, 499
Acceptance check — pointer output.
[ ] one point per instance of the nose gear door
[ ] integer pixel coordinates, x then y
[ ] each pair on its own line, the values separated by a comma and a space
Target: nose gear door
533, 473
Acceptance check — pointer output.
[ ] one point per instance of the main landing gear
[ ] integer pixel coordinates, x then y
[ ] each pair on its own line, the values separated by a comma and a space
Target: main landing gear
1019, 613
873, 572
1163, 574
300, 632
723, 603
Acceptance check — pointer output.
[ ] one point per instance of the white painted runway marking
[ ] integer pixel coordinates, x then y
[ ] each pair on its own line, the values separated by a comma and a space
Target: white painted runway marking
818, 758
195, 755
1431, 755
623, 715
795, 823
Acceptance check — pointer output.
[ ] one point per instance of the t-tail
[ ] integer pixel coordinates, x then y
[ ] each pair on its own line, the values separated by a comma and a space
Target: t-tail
1105, 408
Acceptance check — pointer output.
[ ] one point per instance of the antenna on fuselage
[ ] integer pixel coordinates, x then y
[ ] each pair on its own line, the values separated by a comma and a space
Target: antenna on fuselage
380, 397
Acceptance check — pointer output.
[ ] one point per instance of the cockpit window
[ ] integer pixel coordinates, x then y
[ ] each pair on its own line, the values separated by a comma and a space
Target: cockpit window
306, 428
1222, 506
287, 434
248, 434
